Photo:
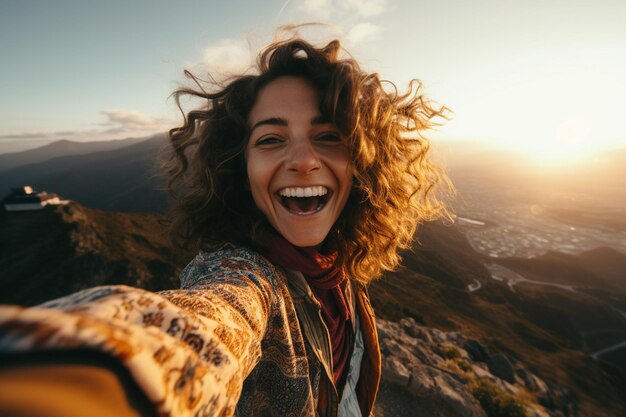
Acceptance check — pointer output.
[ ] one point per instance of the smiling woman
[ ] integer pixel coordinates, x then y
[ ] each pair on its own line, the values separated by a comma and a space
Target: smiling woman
247, 119
297, 185
298, 162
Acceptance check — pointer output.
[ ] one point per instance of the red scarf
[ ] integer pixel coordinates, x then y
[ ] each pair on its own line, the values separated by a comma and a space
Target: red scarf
327, 282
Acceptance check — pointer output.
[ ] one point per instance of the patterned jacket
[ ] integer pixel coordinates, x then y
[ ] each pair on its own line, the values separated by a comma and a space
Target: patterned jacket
241, 337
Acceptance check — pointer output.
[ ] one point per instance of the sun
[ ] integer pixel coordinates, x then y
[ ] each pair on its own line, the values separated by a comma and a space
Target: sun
570, 144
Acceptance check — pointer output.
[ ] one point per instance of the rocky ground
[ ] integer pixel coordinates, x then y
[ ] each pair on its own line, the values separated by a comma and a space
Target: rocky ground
431, 373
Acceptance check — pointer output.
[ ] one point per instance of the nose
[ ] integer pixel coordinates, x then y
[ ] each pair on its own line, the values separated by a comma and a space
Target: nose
302, 158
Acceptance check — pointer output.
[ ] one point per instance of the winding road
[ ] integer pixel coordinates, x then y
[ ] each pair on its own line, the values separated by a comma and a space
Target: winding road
501, 273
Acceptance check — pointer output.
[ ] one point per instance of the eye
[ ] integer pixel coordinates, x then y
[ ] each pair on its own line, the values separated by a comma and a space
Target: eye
331, 137
268, 140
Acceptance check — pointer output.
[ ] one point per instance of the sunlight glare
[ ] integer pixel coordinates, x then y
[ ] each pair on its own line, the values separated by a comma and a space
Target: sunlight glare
571, 144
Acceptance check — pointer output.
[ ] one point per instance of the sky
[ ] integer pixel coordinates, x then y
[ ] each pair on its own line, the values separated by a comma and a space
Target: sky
544, 77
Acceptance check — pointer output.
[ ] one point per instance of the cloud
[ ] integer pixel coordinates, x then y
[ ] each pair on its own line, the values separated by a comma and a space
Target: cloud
341, 9
347, 20
118, 122
30, 135
320, 9
124, 121
39, 135
228, 56
367, 8
363, 32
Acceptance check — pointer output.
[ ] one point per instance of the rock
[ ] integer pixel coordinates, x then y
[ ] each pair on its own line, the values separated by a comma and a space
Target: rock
500, 365
510, 388
538, 386
524, 377
456, 397
420, 334
481, 372
558, 398
421, 382
437, 368
390, 347
454, 337
426, 355
530, 381
536, 412
407, 324
439, 387
388, 329
382, 329
395, 372
437, 335
476, 350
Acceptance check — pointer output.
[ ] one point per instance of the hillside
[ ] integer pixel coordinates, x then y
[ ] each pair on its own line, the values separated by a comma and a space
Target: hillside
443, 282
541, 326
61, 249
56, 251
609, 263
601, 268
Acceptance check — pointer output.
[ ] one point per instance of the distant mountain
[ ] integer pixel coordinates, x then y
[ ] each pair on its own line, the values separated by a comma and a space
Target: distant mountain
123, 179
19, 145
61, 148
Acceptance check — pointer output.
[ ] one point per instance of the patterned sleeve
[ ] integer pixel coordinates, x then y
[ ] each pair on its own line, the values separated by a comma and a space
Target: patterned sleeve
189, 349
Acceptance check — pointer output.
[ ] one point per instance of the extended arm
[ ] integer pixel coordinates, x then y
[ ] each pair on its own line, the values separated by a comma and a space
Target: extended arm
188, 350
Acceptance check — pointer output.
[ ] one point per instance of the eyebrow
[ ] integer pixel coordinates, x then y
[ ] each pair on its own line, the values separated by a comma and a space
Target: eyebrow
279, 121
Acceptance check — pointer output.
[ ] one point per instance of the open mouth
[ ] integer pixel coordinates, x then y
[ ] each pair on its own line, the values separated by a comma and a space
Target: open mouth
304, 200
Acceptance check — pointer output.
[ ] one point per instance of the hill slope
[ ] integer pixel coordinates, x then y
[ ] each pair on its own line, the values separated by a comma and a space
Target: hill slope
61, 249
58, 250
541, 326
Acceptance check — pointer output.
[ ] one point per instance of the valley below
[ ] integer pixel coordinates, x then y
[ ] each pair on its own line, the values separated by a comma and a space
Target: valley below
541, 240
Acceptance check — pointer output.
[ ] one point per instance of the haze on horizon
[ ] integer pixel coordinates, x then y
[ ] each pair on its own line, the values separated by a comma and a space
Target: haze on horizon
543, 79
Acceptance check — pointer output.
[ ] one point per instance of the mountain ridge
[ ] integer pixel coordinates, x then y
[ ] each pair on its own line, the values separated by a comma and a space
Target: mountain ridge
108, 179
59, 148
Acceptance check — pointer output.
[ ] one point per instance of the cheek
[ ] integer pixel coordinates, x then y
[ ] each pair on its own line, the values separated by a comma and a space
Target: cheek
258, 185
346, 182
345, 175
259, 199
347, 190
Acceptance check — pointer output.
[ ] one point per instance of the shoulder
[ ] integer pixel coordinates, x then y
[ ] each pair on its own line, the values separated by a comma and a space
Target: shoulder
227, 263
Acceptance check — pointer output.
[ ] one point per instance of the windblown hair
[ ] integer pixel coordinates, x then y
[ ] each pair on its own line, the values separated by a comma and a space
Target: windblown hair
393, 177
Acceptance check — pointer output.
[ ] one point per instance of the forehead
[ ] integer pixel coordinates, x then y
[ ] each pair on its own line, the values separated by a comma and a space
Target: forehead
285, 95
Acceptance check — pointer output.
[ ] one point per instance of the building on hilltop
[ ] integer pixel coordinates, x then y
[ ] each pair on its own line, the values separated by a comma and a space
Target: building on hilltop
25, 198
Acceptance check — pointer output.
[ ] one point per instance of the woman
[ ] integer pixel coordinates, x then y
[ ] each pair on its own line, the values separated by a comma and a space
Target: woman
298, 185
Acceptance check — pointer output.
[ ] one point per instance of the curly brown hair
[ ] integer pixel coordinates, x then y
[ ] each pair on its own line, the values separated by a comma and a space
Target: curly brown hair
394, 178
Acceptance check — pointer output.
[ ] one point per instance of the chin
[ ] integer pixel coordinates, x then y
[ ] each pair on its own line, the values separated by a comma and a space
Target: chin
305, 241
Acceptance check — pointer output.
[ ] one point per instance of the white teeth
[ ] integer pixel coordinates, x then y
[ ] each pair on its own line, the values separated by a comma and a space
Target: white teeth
303, 191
